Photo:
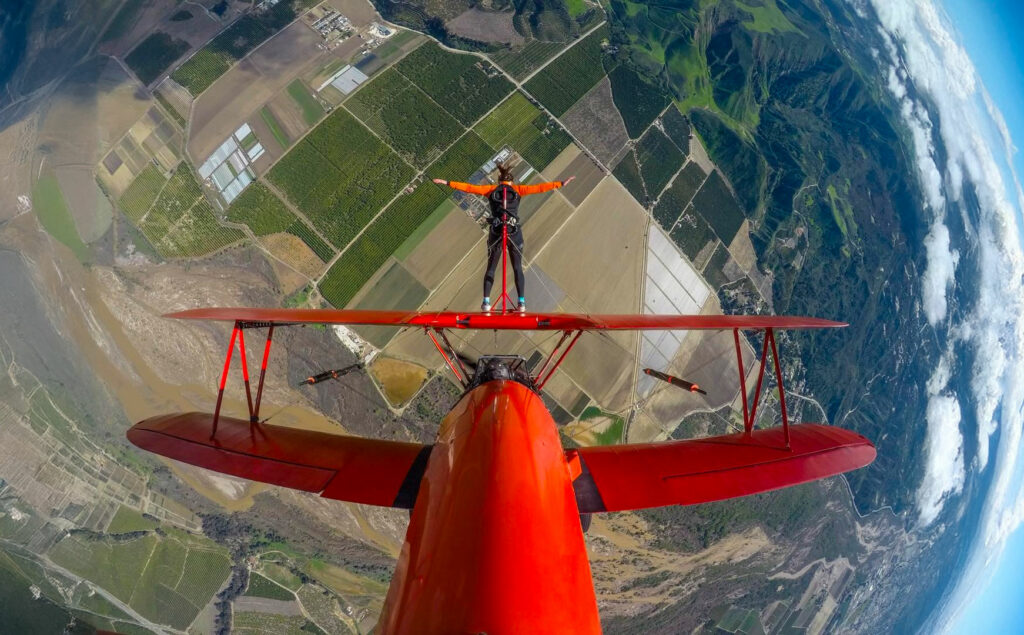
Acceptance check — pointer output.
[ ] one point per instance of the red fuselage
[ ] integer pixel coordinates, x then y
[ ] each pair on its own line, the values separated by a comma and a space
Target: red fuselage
495, 543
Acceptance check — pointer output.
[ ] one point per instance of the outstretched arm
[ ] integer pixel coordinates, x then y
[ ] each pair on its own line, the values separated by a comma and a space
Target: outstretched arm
541, 187
482, 190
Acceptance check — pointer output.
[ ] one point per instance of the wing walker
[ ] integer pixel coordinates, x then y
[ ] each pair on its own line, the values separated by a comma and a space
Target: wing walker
498, 508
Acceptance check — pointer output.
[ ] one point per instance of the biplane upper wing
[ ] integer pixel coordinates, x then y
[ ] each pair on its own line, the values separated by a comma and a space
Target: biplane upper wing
354, 469
528, 321
638, 476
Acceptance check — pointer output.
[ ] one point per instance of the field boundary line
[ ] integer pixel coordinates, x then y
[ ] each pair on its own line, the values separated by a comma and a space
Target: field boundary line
567, 48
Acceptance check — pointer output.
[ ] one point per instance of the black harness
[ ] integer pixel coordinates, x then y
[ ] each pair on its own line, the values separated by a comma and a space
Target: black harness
504, 200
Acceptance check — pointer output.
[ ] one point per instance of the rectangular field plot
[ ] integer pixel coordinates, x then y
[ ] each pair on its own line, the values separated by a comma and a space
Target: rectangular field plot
266, 214
177, 197
234, 43
116, 567
380, 240
520, 62
677, 127
197, 234
717, 205
397, 289
339, 176
569, 77
519, 124
675, 199
403, 115
659, 159
463, 159
311, 108
214, 59
141, 194
152, 57
462, 84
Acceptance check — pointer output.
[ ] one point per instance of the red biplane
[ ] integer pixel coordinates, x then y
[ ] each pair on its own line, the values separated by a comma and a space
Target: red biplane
498, 507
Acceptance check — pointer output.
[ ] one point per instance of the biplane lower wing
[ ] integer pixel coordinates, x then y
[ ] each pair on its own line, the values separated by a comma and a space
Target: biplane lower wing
639, 476
499, 321
354, 469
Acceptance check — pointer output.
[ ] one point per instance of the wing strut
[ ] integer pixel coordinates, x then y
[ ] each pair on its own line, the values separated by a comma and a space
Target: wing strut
750, 415
237, 333
541, 381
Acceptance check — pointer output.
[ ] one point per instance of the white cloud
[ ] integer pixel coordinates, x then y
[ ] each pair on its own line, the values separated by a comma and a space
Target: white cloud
944, 454
928, 61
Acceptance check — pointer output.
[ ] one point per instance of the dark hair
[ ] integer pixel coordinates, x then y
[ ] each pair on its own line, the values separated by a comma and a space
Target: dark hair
504, 172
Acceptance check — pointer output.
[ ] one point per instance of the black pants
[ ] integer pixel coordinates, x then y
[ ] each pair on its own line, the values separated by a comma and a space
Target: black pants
515, 254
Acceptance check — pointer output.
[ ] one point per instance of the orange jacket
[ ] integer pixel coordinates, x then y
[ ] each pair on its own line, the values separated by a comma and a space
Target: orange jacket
523, 190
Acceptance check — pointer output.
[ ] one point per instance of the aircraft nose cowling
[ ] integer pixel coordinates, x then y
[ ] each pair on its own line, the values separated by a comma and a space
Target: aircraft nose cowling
495, 523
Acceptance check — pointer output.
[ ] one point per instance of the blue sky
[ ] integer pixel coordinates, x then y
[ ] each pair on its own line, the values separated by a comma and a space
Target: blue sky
991, 34
989, 31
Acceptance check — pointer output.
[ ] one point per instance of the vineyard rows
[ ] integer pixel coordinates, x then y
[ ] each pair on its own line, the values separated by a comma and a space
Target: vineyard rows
569, 77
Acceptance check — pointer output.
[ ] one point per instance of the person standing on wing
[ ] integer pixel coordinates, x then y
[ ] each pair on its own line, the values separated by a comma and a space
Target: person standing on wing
504, 200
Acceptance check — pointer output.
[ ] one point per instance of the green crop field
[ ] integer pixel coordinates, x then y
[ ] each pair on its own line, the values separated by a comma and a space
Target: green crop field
263, 588
677, 127
462, 159
52, 211
251, 623
177, 197
115, 566
464, 85
691, 233
265, 214
214, 59
154, 55
520, 62
405, 117
628, 173
261, 210
311, 108
339, 187
521, 125
638, 101
717, 205
140, 195
197, 233
234, 43
128, 520
282, 575
675, 199
167, 580
571, 75
205, 569
380, 240
154, 595
659, 159
275, 127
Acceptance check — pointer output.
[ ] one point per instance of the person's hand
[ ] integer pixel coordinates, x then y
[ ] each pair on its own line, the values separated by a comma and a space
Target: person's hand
568, 180
440, 181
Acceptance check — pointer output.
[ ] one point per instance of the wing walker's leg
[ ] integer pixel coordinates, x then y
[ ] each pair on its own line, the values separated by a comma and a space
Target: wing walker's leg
504, 262
263, 374
224, 379
245, 370
747, 422
782, 390
445, 356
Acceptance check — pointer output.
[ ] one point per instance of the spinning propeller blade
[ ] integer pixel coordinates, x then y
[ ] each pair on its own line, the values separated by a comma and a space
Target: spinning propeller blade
675, 381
